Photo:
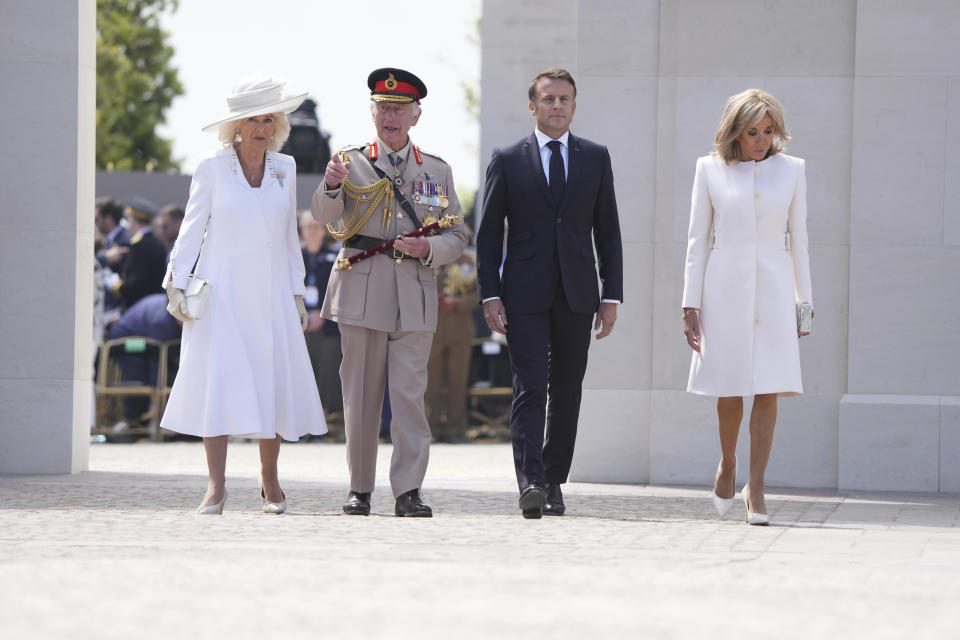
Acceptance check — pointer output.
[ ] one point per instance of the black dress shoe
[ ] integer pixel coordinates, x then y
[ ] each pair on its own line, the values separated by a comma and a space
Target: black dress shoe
554, 505
532, 500
358, 504
409, 505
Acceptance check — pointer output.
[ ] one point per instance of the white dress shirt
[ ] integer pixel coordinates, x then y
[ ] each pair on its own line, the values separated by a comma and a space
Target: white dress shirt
546, 153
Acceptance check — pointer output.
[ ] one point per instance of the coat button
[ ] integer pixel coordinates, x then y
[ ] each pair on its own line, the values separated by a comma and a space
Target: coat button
756, 195
559, 220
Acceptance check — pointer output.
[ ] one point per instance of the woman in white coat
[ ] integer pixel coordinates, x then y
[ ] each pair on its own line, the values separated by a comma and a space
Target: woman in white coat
746, 270
244, 369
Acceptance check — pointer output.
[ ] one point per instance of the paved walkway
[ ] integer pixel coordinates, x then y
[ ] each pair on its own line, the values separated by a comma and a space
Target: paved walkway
117, 553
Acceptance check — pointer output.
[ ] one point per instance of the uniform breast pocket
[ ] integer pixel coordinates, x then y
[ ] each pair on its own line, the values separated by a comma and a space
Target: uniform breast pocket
423, 212
348, 290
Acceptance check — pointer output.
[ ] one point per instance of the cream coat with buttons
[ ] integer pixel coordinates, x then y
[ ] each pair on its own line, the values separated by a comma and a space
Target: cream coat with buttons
746, 273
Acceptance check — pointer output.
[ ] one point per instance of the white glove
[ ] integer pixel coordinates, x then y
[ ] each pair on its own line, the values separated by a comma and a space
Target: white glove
177, 304
302, 311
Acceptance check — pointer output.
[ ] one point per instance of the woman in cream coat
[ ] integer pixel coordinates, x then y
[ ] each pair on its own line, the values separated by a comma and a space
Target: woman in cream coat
746, 270
244, 369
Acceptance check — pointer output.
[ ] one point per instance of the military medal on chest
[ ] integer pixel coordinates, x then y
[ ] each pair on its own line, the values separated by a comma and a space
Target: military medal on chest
427, 191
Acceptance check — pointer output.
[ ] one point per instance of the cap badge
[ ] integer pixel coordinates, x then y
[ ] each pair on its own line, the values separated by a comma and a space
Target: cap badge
390, 82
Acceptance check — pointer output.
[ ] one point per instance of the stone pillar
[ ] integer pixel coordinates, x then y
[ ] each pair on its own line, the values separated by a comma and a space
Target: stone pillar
48, 71
804, 55
871, 91
899, 423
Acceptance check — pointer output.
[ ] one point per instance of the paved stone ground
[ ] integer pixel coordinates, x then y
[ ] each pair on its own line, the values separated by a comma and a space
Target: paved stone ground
117, 553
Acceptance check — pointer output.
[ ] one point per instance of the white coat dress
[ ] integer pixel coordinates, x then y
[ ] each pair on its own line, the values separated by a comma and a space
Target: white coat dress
746, 273
244, 368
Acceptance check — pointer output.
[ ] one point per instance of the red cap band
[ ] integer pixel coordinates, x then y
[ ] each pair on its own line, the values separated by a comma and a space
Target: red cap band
403, 88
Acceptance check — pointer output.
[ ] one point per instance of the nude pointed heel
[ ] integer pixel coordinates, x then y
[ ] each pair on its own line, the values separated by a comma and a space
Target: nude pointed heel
722, 505
213, 509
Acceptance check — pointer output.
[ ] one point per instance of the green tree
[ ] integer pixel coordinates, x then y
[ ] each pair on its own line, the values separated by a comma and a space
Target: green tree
135, 85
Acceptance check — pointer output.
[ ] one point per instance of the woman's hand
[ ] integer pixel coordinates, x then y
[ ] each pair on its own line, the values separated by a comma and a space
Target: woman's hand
302, 312
691, 327
177, 304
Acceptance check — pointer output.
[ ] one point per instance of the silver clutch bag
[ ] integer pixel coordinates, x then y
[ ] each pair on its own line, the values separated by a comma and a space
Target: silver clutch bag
804, 317
197, 293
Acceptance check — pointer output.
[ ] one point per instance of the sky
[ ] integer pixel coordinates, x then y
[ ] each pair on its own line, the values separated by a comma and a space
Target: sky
328, 48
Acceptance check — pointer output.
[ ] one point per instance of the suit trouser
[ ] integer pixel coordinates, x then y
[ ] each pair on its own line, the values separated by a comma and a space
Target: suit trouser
548, 354
367, 354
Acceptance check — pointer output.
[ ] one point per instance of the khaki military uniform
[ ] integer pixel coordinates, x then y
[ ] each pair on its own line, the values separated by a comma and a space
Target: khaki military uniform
449, 366
387, 310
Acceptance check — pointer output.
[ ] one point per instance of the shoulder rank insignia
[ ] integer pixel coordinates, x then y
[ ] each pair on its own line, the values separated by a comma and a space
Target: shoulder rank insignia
421, 152
343, 152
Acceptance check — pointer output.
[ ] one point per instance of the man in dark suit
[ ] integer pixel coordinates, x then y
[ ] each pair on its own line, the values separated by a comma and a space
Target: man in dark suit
146, 259
555, 191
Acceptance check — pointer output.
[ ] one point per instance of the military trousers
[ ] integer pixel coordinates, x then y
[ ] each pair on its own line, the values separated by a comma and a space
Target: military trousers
367, 356
449, 371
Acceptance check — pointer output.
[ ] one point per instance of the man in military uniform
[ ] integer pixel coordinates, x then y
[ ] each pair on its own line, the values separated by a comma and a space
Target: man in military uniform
146, 259
386, 305
449, 366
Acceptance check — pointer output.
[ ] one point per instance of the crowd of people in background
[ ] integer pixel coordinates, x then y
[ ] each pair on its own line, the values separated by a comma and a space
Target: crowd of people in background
133, 241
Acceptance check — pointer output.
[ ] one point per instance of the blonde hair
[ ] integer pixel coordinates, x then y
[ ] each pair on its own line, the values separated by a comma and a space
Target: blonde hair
229, 132
306, 216
743, 111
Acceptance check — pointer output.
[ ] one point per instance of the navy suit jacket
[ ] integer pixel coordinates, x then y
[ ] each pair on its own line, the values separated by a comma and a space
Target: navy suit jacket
542, 237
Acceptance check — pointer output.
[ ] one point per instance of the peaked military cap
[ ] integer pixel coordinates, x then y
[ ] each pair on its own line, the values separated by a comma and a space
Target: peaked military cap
141, 209
395, 85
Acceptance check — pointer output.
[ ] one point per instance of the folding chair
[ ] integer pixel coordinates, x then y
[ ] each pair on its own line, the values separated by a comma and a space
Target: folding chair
110, 382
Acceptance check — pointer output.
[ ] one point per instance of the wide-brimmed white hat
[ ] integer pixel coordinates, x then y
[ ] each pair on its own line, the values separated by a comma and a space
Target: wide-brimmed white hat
256, 95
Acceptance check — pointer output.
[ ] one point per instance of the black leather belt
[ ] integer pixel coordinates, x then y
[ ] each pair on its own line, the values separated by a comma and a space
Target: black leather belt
362, 242
365, 243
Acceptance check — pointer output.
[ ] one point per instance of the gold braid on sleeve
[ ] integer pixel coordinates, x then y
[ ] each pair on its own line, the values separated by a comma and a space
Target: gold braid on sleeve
375, 194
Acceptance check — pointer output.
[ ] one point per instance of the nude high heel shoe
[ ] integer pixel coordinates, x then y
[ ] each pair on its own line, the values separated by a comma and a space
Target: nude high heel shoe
213, 509
759, 519
275, 508
722, 505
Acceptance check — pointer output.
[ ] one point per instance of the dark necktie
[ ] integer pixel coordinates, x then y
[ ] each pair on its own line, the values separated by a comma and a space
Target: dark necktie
557, 179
